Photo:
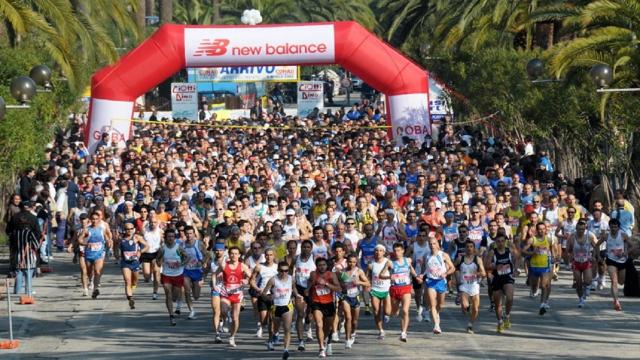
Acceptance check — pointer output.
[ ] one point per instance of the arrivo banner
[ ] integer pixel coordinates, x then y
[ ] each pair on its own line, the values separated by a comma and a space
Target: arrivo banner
246, 73
184, 101
275, 45
310, 96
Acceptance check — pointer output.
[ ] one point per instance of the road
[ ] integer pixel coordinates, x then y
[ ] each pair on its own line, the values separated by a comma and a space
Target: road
65, 325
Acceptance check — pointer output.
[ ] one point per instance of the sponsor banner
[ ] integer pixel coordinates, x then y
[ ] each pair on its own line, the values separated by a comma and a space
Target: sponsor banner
184, 101
276, 45
310, 96
111, 117
247, 73
438, 101
409, 117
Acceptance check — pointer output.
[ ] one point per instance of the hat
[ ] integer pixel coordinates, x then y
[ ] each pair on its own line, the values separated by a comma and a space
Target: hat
84, 216
228, 213
219, 246
381, 247
528, 209
389, 212
273, 203
290, 212
139, 197
276, 157
128, 203
98, 197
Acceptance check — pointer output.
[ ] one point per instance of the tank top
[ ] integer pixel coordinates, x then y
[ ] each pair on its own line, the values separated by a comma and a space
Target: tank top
541, 252
582, 253
450, 235
400, 273
282, 291
367, 248
321, 293
469, 271
475, 233
252, 262
292, 230
411, 231
436, 267
95, 243
569, 228
303, 271
153, 239
513, 218
378, 284
320, 251
232, 278
389, 236
349, 282
338, 266
129, 250
553, 218
419, 255
615, 248
171, 261
266, 273
216, 281
502, 264
193, 255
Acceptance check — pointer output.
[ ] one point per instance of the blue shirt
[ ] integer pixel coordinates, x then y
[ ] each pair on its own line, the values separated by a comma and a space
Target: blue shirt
626, 219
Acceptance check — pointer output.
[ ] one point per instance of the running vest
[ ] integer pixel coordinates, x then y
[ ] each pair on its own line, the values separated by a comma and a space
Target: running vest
303, 271
290, 229
450, 235
193, 255
153, 239
615, 248
252, 262
469, 271
320, 251
475, 233
582, 253
129, 250
282, 290
419, 255
502, 264
338, 266
541, 252
321, 293
513, 218
367, 248
389, 236
266, 273
232, 278
349, 282
171, 261
95, 244
378, 284
400, 273
552, 217
410, 231
436, 267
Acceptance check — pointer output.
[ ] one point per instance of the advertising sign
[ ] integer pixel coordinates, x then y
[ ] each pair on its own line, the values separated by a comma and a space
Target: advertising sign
184, 101
310, 96
247, 73
438, 102
275, 45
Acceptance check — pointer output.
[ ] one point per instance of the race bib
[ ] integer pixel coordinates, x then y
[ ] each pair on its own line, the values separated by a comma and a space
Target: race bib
130, 255
541, 251
378, 282
503, 269
352, 290
95, 246
322, 290
469, 278
581, 257
400, 279
173, 264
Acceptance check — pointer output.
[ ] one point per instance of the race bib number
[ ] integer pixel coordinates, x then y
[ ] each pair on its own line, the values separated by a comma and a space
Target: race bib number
378, 282
469, 278
581, 257
173, 264
400, 279
322, 290
352, 290
130, 255
234, 290
95, 246
503, 269
541, 251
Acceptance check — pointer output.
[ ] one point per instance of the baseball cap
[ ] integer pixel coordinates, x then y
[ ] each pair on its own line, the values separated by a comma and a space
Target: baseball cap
228, 213
219, 246
273, 203
139, 197
290, 212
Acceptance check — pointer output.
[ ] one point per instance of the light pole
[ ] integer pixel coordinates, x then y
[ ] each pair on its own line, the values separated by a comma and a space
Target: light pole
535, 69
602, 76
24, 88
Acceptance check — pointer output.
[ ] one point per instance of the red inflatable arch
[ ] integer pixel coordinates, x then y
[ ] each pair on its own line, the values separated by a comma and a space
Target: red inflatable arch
173, 47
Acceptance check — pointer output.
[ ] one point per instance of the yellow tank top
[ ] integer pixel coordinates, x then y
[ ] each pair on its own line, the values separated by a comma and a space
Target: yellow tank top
513, 219
541, 252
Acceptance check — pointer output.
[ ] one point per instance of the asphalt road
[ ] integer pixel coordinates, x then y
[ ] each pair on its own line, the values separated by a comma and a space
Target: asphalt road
65, 325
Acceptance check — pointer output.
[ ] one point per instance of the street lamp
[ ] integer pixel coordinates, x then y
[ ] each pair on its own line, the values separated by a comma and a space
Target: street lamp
251, 17
24, 88
535, 69
602, 77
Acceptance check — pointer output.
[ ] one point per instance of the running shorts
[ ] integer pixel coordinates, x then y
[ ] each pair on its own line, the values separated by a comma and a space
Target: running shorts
538, 271
235, 298
327, 310
577, 266
301, 291
177, 281
131, 265
398, 292
278, 311
618, 265
148, 257
379, 294
416, 284
354, 302
439, 285
264, 304
498, 282
193, 274
470, 289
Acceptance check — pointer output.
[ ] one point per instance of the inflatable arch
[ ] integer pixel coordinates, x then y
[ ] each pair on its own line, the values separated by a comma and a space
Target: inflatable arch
173, 47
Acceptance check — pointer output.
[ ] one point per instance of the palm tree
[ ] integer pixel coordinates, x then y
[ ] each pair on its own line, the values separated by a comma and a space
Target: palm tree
401, 20
166, 11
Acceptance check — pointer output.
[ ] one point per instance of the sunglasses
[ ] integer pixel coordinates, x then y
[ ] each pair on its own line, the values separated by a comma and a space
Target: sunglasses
283, 270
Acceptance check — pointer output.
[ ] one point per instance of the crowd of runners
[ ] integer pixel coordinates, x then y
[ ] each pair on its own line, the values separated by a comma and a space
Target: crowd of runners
311, 225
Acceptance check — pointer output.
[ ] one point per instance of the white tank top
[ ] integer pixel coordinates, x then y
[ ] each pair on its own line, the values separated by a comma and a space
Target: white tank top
419, 255
216, 281
153, 239
266, 273
389, 236
292, 230
377, 283
171, 262
303, 271
582, 252
615, 248
436, 267
553, 218
468, 273
319, 251
282, 291
253, 262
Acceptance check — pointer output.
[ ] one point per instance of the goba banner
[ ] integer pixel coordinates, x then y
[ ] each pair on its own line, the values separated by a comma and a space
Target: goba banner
274, 46
310, 96
246, 73
184, 101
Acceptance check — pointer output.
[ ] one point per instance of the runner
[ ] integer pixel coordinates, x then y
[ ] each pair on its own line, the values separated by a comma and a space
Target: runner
339, 263
437, 267
380, 278
402, 273
233, 274
280, 289
95, 238
131, 247
502, 267
152, 235
80, 249
254, 257
196, 257
352, 278
541, 251
322, 286
580, 249
365, 251
260, 275
616, 258
471, 270
172, 258
420, 250
304, 266
219, 256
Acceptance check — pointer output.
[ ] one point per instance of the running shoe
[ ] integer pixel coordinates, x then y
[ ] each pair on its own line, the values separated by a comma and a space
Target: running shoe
594, 285
387, 319
232, 342
172, 320
218, 339
222, 328
177, 312
192, 315
301, 346
500, 328
436, 330
403, 337
270, 346
132, 304
426, 315
419, 318
349, 343
543, 309
381, 335
322, 354
95, 293
276, 339
581, 303
85, 292
329, 349
470, 330
458, 299
616, 305
587, 292
335, 337
341, 327
507, 323
285, 354
154, 296
367, 310
492, 307
259, 332
309, 334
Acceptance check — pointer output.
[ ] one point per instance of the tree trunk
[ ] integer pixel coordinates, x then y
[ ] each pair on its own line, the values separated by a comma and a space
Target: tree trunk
166, 11
215, 4
140, 14
550, 34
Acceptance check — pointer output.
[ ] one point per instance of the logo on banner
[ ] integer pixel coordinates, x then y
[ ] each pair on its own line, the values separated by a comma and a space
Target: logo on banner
116, 136
215, 47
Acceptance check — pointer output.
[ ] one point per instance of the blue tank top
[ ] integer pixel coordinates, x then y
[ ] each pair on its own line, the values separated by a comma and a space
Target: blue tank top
95, 244
400, 273
450, 235
411, 233
129, 250
193, 255
367, 249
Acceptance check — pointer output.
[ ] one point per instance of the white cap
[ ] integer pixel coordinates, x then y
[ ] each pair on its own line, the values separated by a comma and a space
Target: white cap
290, 212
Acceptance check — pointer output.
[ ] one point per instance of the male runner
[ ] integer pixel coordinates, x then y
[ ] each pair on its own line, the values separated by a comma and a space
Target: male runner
616, 258
541, 251
438, 267
172, 258
380, 278
402, 273
580, 249
322, 286
502, 266
470, 269
131, 247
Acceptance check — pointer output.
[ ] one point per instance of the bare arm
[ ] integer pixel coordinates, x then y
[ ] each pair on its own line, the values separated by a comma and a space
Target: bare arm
450, 268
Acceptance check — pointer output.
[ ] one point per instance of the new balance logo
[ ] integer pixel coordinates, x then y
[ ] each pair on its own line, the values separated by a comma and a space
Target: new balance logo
215, 47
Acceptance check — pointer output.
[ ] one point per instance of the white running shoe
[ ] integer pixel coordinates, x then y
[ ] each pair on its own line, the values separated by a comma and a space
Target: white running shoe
436, 330
269, 346
322, 354
341, 327
419, 318
425, 315
581, 303
85, 292
403, 337
381, 335
335, 337
301, 346
309, 334
232, 341
192, 315
329, 350
259, 332
387, 319
349, 343
154, 296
